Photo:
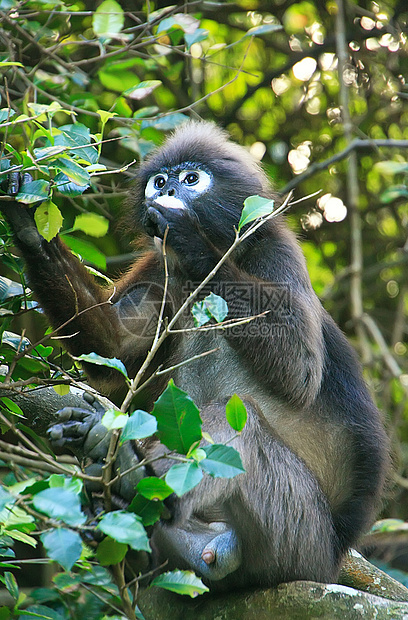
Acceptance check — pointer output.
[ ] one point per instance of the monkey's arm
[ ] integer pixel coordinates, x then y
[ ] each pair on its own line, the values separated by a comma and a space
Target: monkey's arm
69, 294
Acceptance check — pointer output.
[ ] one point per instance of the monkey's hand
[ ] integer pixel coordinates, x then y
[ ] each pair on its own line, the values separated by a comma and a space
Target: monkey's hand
184, 237
81, 432
19, 216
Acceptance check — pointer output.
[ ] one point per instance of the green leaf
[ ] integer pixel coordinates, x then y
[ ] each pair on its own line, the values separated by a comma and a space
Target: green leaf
40, 612
222, 461
33, 191
6, 113
92, 224
125, 527
114, 419
8, 63
183, 477
391, 167
255, 207
200, 313
48, 219
139, 425
110, 362
154, 488
141, 90
150, 511
105, 116
257, 31
236, 413
393, 193
86, 250
110, 551
62, 390
199, 35
6, 499
11, 584
182, 582
63, 546
72, 170
178, 419
60, 503
216, 306
66, 187
108, 19
11, 406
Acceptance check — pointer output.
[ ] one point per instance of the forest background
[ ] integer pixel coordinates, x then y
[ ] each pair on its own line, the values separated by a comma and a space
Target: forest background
317, 91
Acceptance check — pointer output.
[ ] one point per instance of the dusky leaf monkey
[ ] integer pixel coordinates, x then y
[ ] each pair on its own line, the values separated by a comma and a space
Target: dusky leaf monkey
314, 448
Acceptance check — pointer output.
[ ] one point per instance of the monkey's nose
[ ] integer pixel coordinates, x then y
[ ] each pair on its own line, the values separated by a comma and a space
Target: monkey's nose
171, 192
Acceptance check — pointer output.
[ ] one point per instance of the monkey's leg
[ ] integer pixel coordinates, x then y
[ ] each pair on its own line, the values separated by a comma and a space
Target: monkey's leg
209, 549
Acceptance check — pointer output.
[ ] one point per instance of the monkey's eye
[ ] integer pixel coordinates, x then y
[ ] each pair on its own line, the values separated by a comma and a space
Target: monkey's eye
191, 178
155, 184
198, 180
159, 181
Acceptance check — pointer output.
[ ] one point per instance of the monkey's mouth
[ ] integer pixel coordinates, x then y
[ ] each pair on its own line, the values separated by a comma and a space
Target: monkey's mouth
169, 202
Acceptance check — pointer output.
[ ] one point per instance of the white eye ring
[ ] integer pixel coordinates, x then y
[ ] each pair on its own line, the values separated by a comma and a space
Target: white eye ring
152, 186
196, 180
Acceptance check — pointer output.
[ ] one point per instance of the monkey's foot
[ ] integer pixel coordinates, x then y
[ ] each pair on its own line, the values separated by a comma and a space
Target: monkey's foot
221, 556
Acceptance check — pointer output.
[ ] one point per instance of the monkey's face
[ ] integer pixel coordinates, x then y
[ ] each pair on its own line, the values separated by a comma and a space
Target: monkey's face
197, 179
178, 187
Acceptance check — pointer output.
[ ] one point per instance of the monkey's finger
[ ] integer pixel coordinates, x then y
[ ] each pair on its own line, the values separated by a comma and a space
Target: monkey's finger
94, 402
13, 183
157, 222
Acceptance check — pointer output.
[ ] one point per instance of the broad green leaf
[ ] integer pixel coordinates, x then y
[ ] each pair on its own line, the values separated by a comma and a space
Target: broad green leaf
48, 151
72, 170
391, 167
150, 511
257, 31
72, 484
111, 551
139, 425
92, 224
154, 488
216, 306
11, 584
178, 419
60, 503
183, 477
6, 113
255, 207
125, 527
9, 288
40, 612
393, 193
43, 351
200, 313
62, 389
199, 35
236, 413
66, 187
182, 582
165, 123
11, 406
48, 219
108, 19
114, 419
22, 537
222, 461
86, 250
141, 90
63, 546
110, 362
6, 499
33, 191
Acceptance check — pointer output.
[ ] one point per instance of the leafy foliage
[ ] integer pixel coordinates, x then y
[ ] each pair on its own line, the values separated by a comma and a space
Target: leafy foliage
86, 92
